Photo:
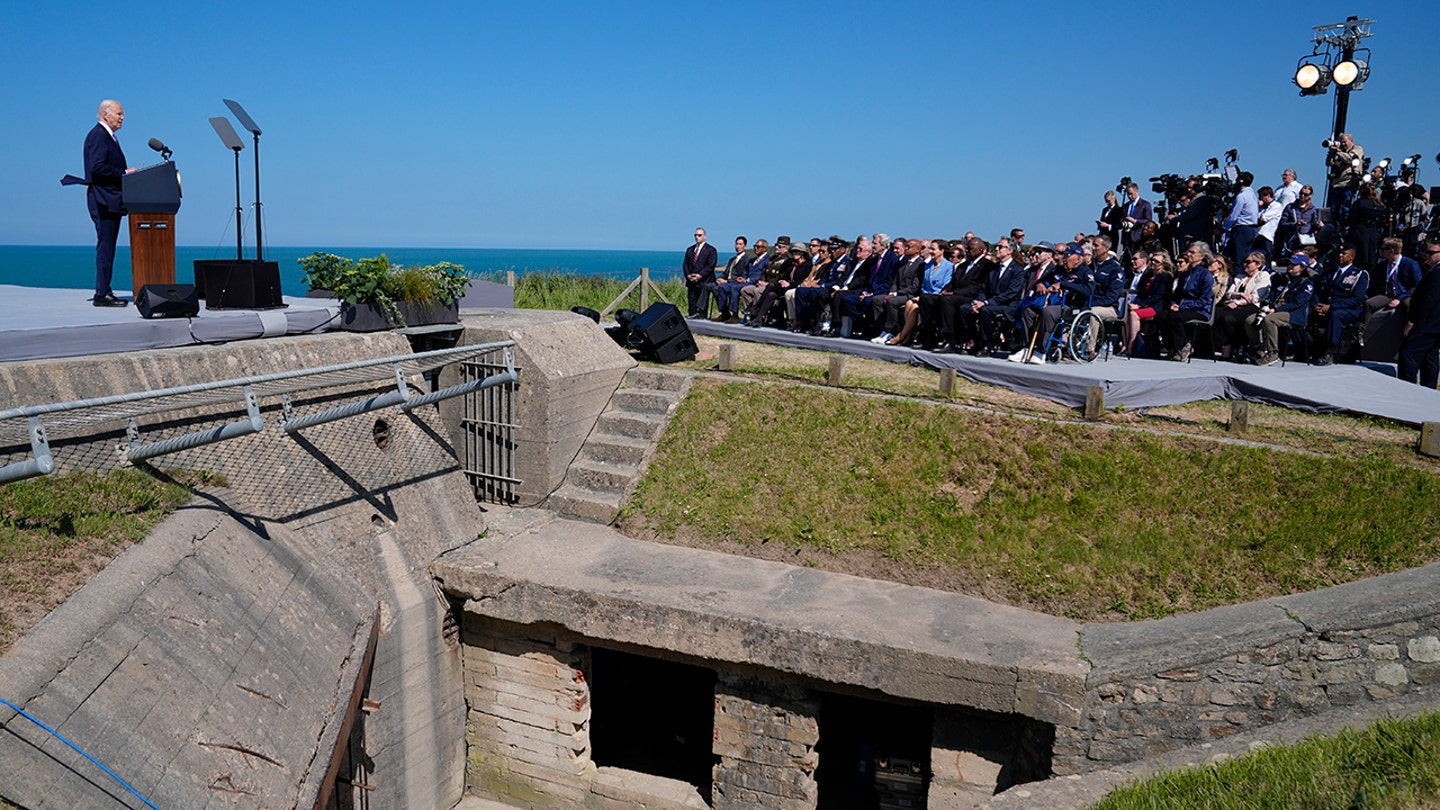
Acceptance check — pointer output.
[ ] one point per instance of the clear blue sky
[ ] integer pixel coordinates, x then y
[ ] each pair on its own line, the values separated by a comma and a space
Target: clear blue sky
624, 125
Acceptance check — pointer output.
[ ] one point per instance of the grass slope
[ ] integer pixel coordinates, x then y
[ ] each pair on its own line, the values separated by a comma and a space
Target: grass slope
1065, 518
1392, 765
57, 532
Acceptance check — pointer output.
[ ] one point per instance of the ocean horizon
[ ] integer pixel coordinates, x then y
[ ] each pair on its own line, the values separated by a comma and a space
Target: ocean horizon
73, 266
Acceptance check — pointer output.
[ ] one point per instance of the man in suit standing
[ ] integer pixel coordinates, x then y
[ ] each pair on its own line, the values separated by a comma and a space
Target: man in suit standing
104, 168
1137, 213
1420, 353
699, 269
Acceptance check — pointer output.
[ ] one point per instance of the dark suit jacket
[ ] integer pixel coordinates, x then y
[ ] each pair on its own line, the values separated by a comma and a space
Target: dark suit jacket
104, 169
1142, 215
908, 276
968, 282
738, 266
860, 279
884, 274
1424, 310
1407, 277
1196, 221
1004, 292
704, 264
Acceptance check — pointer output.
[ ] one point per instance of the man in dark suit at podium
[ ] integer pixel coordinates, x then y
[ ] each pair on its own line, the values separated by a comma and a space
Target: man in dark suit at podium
104, 168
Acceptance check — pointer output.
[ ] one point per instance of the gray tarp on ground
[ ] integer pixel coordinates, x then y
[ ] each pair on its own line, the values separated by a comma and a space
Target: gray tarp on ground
1368, 388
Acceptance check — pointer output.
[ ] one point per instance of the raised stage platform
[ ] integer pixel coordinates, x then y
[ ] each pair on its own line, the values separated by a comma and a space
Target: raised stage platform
1366, 388
42, 323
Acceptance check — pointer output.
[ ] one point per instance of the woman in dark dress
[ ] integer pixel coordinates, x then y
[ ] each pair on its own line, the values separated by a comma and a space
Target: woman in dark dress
1110, 218
1367, 219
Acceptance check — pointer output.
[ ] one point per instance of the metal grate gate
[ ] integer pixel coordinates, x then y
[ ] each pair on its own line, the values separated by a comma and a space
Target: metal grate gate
489, 428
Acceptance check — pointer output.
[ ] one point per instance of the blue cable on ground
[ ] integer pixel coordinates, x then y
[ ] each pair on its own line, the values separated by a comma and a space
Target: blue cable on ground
57, 736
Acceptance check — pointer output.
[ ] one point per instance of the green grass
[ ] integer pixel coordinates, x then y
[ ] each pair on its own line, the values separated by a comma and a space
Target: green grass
55, 529
1065, 518
1392, 765
561, 291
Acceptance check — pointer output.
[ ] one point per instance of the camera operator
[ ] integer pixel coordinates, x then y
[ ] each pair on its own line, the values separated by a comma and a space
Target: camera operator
1195, 218
1243, 223
1345, 160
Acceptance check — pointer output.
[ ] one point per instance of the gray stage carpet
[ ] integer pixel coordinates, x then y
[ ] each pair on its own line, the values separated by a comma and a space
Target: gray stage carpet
1367, 388
41, 323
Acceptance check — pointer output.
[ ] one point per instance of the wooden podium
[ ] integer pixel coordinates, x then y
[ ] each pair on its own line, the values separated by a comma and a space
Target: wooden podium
152, 196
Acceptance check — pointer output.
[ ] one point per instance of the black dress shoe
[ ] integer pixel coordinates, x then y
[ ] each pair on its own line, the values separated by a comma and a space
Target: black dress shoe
944, 348
107, 301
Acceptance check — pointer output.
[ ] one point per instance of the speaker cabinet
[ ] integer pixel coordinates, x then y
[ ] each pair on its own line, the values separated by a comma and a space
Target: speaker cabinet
167, 301
239, 284
660, 332
659, 323
680, 347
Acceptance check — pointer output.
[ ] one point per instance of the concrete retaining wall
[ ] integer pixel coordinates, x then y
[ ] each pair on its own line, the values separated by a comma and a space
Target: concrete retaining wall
236, 654
569, 369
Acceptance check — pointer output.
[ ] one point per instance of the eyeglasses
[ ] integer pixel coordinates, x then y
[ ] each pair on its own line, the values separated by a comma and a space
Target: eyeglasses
698, 235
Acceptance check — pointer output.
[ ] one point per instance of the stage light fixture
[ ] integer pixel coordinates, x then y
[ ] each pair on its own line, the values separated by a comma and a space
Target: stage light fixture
1384, 164
1351, 73
1312, 78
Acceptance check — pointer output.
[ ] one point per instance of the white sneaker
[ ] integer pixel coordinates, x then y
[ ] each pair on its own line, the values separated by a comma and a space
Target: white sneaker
881, 339
1037, 359
1017, 357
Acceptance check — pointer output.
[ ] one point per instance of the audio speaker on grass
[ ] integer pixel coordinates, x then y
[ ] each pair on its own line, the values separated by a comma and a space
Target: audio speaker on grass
659, 323
167, 301
661, 332
680, 347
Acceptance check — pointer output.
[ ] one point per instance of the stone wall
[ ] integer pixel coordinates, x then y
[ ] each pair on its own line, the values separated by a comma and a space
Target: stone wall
1159, 686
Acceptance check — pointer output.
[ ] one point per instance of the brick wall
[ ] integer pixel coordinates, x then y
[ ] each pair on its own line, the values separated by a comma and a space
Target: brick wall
765, 736
528, 712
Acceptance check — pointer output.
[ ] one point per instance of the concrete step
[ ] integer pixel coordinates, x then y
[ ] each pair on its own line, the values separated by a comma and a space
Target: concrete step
614, 448
585, 504
644, 400
655, 378
602, 476
634, 425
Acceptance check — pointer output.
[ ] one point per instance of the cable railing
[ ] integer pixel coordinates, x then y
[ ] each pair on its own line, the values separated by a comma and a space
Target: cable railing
34, 424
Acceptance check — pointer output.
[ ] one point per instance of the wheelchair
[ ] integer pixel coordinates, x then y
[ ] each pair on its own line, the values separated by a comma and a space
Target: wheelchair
1081, 337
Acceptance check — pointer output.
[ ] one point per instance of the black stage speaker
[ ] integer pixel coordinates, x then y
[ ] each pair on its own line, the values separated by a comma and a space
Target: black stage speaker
660, 332
659, 323
680, 347
167, 301
239, 284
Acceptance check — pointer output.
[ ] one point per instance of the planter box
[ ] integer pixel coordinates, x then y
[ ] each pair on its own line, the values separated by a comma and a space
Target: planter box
371, 318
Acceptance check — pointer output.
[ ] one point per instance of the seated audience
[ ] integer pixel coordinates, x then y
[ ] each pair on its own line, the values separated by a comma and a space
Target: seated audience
1241, 301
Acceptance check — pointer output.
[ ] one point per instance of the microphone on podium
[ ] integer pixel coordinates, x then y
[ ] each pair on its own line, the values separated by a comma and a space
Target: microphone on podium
160, 147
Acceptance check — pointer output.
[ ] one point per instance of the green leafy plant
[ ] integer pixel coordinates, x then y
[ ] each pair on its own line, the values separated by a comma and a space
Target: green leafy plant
376, 281
323, 270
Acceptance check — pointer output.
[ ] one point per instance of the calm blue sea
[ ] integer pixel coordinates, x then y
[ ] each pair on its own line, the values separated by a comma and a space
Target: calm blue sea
72, 267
